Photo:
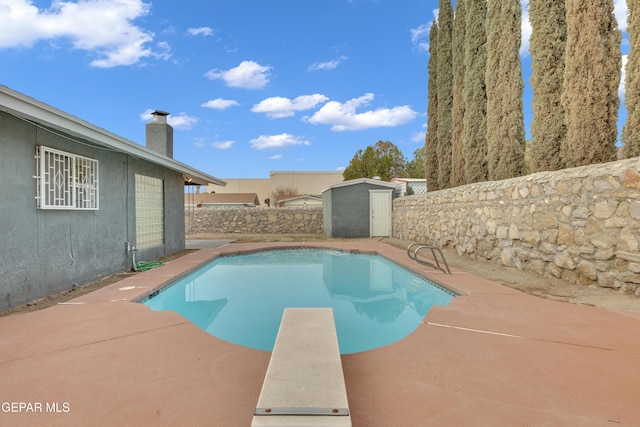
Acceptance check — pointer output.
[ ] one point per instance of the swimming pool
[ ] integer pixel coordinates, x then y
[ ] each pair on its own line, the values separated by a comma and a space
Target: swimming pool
241, 298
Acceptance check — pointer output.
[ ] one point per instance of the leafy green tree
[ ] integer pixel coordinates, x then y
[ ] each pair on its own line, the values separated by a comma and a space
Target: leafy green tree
445, 92
475, 99
393, 163
362, 165
547, 46
631, 130
415, 167
431, 139
383, 159
457, 106
591, 80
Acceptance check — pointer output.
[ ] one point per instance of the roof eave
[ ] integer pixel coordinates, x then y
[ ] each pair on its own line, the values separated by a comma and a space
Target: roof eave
360, 181
33, 110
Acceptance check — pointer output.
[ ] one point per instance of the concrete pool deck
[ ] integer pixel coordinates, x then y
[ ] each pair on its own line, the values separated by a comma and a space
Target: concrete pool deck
494, 357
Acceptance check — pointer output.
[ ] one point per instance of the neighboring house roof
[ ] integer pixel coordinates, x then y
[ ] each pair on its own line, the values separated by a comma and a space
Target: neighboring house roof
409, 180
298, 197
361, 181
39, 113
226, 199
284, 199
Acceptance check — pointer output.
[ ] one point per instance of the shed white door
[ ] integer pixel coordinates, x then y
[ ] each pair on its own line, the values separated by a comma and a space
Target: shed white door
380, 213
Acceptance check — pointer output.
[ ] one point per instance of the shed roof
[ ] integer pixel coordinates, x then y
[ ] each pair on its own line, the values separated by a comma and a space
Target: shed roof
361, 181
39, 113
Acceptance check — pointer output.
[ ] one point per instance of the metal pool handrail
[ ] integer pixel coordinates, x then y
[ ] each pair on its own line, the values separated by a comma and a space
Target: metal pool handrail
433, 250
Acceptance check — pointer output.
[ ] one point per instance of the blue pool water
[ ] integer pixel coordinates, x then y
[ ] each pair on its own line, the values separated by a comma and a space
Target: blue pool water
241, 298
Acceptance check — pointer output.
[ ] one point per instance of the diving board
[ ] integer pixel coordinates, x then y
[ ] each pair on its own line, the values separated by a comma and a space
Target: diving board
304, 384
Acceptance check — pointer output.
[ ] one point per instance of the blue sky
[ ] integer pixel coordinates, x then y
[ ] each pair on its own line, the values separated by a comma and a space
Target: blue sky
252, 86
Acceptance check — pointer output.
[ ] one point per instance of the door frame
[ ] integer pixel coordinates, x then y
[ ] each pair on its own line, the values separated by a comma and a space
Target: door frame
389, 192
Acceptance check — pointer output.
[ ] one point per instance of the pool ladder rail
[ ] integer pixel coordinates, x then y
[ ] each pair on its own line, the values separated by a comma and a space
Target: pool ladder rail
434, 251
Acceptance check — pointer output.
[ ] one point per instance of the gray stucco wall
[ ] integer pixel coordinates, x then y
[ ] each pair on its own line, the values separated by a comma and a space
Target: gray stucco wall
348, 210
326, 213
48, 251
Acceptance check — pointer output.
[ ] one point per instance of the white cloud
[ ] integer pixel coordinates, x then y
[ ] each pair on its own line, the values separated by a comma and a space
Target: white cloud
181, 122
276, 142
418, 136
420, 37
276, 157
247, 75
343, 117
525, 29
623, 77
200, 31
223, 145
278, 107
329, 65
620, 10
219, 104
103, 27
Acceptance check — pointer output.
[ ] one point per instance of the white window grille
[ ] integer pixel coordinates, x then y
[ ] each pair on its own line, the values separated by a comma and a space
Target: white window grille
66, 180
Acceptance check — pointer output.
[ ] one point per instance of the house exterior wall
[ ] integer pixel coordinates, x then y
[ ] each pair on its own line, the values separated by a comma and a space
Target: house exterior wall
348, 210
301, 203
49, 251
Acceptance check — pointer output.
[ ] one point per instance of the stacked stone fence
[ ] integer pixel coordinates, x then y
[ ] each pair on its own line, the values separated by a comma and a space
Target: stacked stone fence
306, 220
581, 225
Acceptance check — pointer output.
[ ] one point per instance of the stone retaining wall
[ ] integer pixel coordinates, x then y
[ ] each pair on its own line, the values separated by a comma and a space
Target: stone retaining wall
254, 220
581, 225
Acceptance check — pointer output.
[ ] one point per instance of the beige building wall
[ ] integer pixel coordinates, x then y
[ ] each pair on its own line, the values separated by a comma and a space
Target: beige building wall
301, 182
304, 182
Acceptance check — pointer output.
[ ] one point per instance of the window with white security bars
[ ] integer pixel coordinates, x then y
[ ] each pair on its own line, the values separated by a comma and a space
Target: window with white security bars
66, 180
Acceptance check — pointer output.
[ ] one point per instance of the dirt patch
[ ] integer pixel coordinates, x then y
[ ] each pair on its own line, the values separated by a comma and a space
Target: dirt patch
535, 284
77, 291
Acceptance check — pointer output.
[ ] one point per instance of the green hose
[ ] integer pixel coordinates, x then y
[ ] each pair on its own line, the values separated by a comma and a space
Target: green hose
144, 265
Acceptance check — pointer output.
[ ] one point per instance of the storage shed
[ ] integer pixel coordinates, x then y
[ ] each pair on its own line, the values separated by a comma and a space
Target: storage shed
358, 208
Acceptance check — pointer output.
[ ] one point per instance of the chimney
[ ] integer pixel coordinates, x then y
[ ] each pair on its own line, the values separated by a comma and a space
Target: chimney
160, 134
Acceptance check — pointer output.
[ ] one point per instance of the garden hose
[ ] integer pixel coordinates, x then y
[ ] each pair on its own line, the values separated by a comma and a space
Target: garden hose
144, 265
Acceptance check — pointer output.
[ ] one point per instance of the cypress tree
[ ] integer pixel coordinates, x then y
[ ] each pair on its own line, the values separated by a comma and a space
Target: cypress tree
504, 86
591, 79
475, 99
493, 83
631, 129
457, 107
431, 139
445, 95
547, 46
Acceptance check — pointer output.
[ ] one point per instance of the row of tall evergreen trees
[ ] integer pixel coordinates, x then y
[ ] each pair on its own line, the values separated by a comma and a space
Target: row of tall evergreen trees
475, 112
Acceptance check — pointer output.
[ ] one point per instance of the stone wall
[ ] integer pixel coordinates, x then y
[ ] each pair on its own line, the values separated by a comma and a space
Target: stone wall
254, 220
581, 224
